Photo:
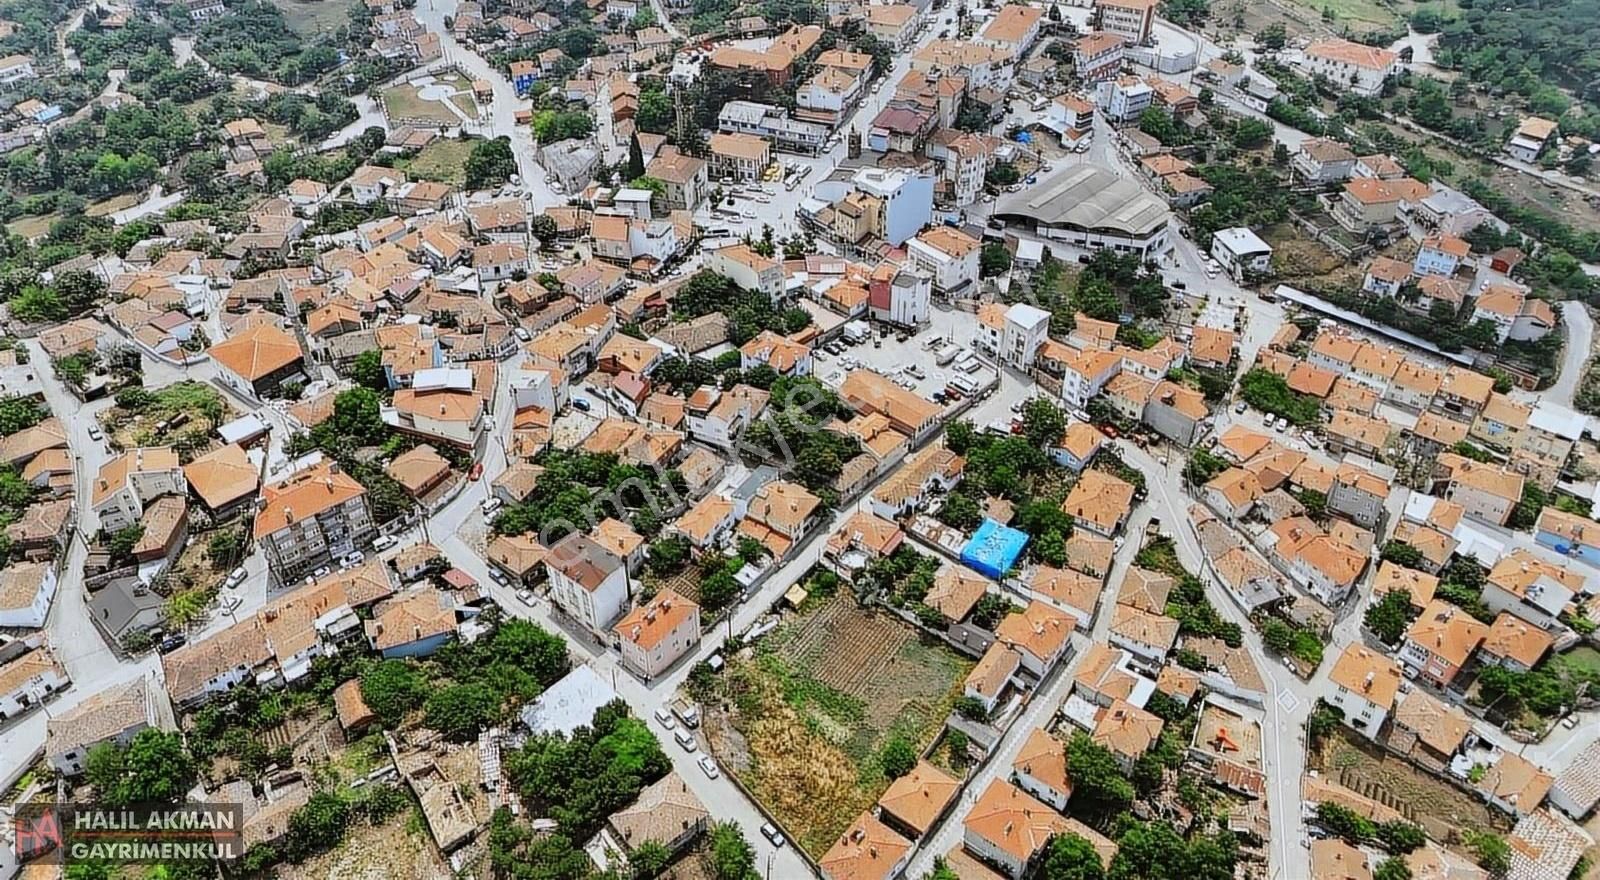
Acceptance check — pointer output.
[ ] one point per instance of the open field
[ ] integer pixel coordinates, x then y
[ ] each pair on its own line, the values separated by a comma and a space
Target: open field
1307, 17
199, 407
32, 227
309, 17
111, 205
443, 160
403, 102
1439, 807
813, 705
466, 103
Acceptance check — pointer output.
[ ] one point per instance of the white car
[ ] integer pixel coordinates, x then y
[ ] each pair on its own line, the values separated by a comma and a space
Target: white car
237, 576
770, 832
709, 766
94, 433
352, 559
322, 572
384, 542
665, 719
525, 597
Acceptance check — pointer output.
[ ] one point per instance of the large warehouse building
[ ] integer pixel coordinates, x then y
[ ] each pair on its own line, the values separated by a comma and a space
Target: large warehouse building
1089, 206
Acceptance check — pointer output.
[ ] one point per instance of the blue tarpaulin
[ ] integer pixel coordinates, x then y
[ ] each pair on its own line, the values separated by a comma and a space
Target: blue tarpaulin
994, 548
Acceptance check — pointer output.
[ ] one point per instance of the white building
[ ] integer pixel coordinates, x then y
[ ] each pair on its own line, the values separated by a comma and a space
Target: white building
948, 256
904, 300
587, 581
26, 590
28, 678
133, 479
654, 635
1013, 334
1362, 69
907, 197
1123, 100
748, 269
1364, 685
1241, 251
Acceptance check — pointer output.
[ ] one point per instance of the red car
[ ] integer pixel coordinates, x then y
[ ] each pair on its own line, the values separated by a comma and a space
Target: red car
476, 472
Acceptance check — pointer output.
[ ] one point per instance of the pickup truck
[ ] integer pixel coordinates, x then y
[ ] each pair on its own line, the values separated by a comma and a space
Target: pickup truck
687, 712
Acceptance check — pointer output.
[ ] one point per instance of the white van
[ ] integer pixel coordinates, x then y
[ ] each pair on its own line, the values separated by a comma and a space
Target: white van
490, 505
964, 385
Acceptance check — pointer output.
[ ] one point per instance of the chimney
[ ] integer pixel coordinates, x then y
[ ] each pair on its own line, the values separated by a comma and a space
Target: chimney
1366, 685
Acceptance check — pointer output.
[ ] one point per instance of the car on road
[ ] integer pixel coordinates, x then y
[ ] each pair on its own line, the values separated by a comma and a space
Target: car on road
580, 404
770, 832
322, 572
709, 765
477, 471
1570, 721
172, 643
237, 577
490, 505
665, 719
1240, 407
522, 334
525, 597
352, 559
94, 433
685, 740
384, 542
1281, 425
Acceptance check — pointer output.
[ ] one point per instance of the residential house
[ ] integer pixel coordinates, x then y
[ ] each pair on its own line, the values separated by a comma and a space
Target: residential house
132, 480
1440, 642
1008, 828
1323, 161
587, 581
114, 715
1533, 589
1364, 686
1363, 69
655, 635
311, 518
1040, 769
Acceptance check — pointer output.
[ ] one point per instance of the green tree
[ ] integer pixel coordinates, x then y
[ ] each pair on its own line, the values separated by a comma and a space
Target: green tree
1098, 782
732, 857
941, 870
1389, 617
1071, 857
1402, 554
1042, 422
1392, 868
635, 157
317, 826
649, 858
1490, 850
19, 414
993, 260
460, 711
154, 766
898, 757
121, 543
391, 688
490, 163
367, 370
544, 228
959, 436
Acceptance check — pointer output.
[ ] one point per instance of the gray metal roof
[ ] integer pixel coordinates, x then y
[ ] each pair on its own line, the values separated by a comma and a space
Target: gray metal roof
1088, 197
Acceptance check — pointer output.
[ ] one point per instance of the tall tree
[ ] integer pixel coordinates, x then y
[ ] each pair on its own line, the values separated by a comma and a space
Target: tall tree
635, 157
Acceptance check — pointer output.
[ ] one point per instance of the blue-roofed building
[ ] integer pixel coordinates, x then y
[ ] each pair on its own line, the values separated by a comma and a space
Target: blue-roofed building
994, 548
523, 75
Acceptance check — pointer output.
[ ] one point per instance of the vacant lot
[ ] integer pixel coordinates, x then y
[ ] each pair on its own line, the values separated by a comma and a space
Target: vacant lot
308, 17
810, 710
33, 227
111, 205
1439, 807
443, 160
404, 103
182, 415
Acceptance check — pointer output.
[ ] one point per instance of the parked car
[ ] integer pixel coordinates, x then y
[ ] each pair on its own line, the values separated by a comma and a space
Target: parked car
172, 643
709, 765
476, 472
384, 542
322, 572
95, 433
525, 597
770, 832
352, 559
1240, 407
665, 719
237, 576
580, 404
490, 505
685, 740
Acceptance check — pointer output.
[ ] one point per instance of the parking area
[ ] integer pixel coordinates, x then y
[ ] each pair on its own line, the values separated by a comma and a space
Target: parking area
913, 361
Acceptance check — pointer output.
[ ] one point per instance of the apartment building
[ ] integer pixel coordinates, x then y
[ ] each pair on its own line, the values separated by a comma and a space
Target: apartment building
311, 519
132, 480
